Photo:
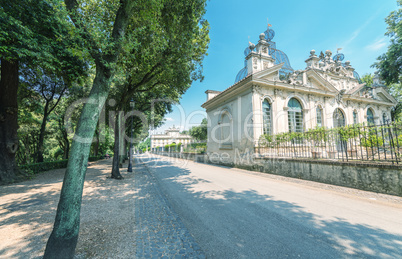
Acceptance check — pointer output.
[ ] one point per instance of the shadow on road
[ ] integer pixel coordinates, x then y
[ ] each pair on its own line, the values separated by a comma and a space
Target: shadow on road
282, 227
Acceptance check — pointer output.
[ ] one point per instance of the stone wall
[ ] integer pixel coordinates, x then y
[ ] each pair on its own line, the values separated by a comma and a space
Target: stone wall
385, 179
378, 178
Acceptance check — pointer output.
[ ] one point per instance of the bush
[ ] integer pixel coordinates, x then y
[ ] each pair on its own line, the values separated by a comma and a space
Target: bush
96, 158
372, 141
46, 166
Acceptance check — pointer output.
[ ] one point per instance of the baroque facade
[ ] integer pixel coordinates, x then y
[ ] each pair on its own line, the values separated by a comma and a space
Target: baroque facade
269, 97
172, 135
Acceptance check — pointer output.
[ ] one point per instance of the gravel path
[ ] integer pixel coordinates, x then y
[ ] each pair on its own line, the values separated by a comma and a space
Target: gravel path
27, 212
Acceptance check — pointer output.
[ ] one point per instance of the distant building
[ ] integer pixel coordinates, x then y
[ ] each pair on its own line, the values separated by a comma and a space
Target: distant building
269, 97
172, 135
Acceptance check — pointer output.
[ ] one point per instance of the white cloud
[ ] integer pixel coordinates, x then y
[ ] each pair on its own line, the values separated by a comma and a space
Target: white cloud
359, 30
378, 44
169, 119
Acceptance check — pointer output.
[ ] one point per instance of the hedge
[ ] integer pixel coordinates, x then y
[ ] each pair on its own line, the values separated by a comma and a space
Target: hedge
36, 168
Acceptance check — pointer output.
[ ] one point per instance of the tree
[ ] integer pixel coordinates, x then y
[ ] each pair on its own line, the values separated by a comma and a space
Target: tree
367, 79
169, 60
144, 145
33, 33
107, 39
52, 89
104, 41
200, 132
390, 63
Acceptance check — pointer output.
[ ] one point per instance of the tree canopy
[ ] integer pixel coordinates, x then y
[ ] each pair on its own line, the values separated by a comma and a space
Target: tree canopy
200, 132
390, 63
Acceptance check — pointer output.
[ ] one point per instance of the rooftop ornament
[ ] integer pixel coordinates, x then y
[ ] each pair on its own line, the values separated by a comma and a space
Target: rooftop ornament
278, 55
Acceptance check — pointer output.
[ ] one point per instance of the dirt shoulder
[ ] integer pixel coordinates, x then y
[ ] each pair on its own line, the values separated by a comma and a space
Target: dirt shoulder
28, 209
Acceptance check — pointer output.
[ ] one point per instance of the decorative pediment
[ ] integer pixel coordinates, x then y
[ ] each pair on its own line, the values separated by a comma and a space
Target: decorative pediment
356, 89
382, 95
317, 81
270, 73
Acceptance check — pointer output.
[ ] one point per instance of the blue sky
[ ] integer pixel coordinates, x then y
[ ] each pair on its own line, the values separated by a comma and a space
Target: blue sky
357, 26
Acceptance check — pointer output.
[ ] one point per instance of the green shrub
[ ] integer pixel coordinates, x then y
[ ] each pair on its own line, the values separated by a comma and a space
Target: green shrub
36, 168
372, 141
45, 166
96, 158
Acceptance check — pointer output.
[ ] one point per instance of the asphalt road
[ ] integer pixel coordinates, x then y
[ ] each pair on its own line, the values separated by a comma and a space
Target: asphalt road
233, 213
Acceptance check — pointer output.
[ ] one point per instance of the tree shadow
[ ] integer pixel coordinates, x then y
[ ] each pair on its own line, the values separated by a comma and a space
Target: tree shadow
28, 209
265, 226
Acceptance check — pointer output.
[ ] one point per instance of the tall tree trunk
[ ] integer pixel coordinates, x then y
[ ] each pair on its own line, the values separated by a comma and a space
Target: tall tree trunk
66, 149
63, 239
97, 143
8, 120
39, 155
65, 143
116, 149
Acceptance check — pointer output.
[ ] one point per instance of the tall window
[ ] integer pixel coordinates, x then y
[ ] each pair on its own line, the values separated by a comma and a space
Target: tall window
295, 116
319, 116
225, 128
355, 120
267, 117
370, 116
339, 118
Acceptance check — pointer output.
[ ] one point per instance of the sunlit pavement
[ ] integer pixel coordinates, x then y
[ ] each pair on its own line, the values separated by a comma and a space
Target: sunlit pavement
233, 213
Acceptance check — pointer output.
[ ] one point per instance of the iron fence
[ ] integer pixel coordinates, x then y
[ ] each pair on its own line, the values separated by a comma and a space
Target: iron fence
372, 143
195, 147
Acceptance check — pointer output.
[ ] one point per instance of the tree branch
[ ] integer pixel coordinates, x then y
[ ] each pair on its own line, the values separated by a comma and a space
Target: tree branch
58, 99
94, 49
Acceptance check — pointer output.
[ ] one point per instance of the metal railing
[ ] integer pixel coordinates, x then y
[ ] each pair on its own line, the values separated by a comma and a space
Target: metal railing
195, 147
372, 143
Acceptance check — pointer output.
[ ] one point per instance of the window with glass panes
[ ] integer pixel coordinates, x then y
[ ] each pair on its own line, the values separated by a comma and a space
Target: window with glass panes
267, 117
319, 116
295, 116
370, 116
339, 118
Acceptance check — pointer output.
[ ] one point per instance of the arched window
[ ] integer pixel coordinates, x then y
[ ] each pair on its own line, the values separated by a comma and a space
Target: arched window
370, 116
384, 118
267, 117
295, 116
225, 128
339, 118
319, 116
355, 119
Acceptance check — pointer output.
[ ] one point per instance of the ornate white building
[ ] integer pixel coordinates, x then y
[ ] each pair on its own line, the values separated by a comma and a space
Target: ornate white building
269, 97
172, 135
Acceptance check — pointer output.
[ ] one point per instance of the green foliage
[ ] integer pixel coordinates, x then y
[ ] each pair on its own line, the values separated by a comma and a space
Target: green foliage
318, 135
396, 91
144, 145
372, 140
36, 168
348, 132
367, 79
390, 63
200, 132
199, 148
38, 32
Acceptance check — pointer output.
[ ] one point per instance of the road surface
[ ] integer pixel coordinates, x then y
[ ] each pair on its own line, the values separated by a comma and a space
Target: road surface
234, 213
